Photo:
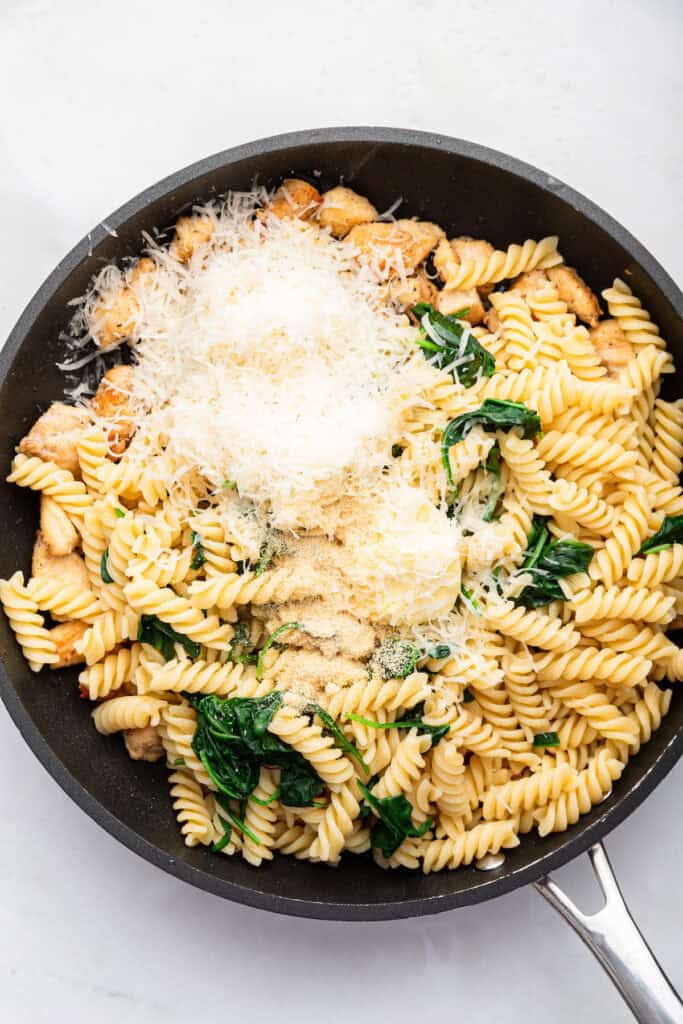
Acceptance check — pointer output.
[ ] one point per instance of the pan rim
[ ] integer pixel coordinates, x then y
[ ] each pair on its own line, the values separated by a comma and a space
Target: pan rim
490, 886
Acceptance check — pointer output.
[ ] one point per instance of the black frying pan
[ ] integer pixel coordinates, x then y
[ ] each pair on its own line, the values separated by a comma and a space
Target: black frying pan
468, 190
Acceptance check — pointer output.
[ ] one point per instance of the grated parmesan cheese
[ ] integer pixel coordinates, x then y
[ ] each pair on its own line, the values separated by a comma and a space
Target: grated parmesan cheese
272, 361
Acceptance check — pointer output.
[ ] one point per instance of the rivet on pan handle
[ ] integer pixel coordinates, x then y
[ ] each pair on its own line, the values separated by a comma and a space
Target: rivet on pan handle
613, 936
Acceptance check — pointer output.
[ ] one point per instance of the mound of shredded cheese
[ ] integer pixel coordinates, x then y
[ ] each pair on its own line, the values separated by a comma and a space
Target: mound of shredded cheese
270, 360
273, 373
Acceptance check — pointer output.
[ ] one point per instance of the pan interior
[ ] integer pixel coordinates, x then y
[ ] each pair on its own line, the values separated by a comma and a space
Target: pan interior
467, 191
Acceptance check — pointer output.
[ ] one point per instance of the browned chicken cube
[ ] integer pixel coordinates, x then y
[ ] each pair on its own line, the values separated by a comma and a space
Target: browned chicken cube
573, 290
343, 209
65, 636
453, 300
112, 402
65, 568
295, 198
530, 282
143, 744
114, 318
396, 247
190, 233
409, 292
57, 530
55, 434
612, 345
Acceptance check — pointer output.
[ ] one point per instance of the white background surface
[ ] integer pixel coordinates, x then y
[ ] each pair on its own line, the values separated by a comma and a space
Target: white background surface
98, 101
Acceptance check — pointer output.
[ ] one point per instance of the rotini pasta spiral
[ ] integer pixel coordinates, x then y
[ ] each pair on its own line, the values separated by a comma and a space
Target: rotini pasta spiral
592, 704
482, 839
108, 631
585, 508
21, 609
593, 452
204, 677
176, 729
630, 636
630, 530
146, 598
375, 693
496, 709
667, 456
50, 479
127, 713
583, 360
477, 735
551, 389
587, 663
521, 345
532, 627
638, 603
260, 818
525, 697
592, 785
64, 600
405, 767
192, 809
627, 310
525, 794
163, 566
640, 373
659, 567
307, 737
528, 470
226, 590
517, 259
646, 714
96, 528
211, 532
574, 734
111, 673
448, 775
92, 451
337, 823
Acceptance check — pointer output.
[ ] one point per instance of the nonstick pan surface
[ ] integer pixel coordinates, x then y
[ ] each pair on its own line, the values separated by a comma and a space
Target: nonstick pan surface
467, 190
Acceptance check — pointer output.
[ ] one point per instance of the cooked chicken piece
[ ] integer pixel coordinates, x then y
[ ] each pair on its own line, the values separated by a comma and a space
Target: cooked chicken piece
114, 318
530, 282
295, 198
55, 434
411, 290
343, 209
190, 232
444, 260
65, 568
451, 301
450, 254
112, 402
573, 290
142, 271
396, 247
143, 744
491, 321
612, 345
56, 529
65, 635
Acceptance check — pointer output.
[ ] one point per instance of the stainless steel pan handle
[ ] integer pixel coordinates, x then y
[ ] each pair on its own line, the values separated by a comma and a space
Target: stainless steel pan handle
613, 936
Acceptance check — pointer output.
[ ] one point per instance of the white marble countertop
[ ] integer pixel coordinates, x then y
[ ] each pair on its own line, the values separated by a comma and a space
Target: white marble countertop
101, 100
